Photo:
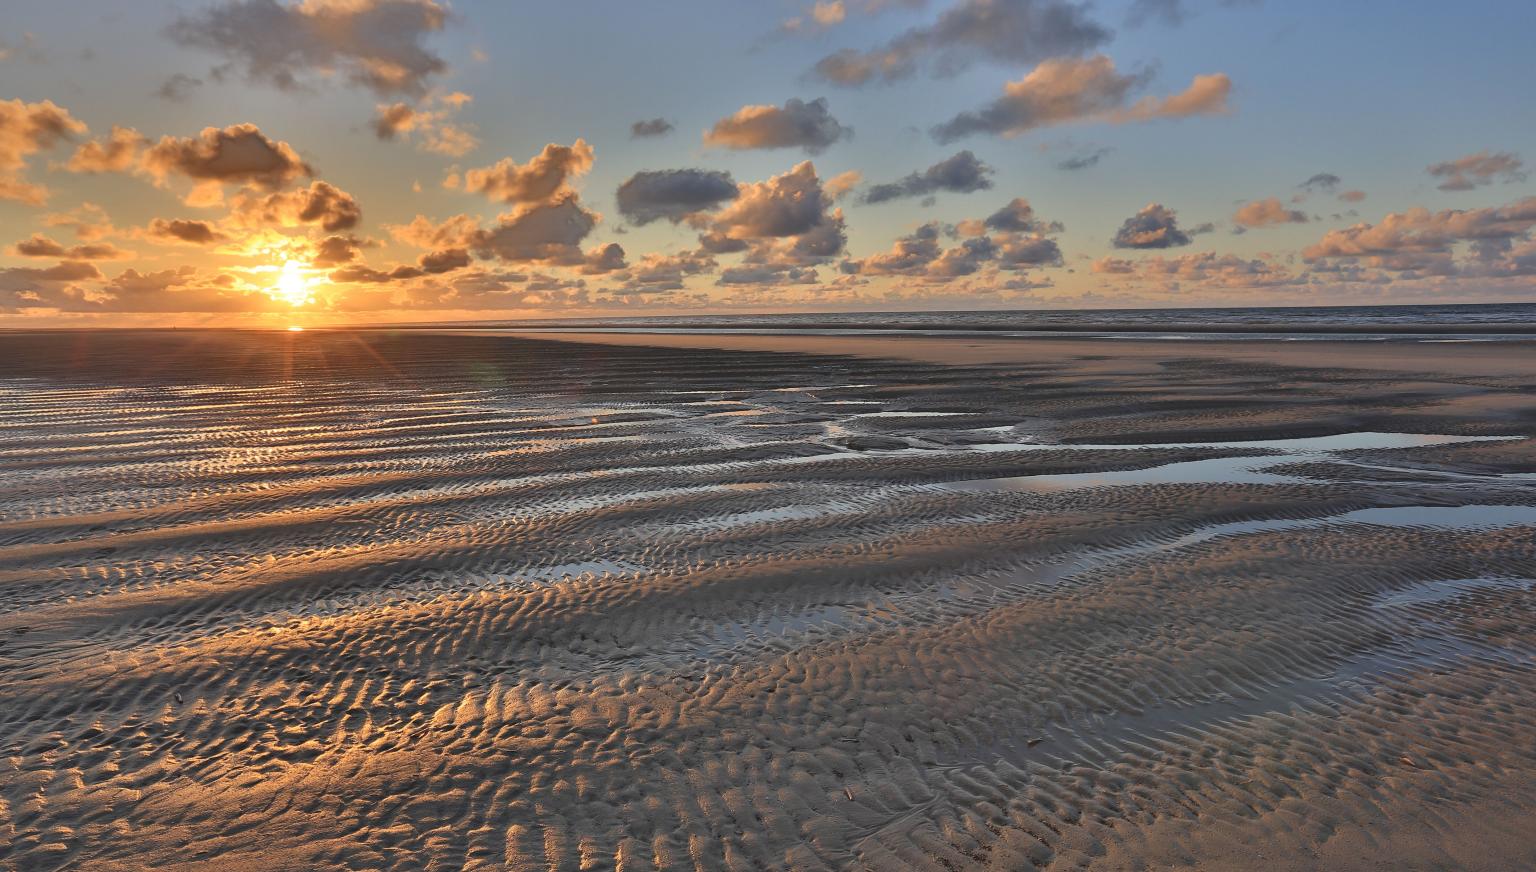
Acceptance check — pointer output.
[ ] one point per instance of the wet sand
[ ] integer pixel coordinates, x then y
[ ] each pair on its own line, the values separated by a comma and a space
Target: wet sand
442, 600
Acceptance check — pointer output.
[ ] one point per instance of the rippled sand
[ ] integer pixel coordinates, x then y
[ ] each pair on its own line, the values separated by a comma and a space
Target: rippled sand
436, 601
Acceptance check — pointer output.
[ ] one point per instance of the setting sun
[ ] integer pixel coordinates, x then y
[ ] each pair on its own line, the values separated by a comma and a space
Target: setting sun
292, 285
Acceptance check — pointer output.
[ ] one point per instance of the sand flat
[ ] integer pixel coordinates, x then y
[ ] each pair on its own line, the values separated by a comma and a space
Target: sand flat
485, 600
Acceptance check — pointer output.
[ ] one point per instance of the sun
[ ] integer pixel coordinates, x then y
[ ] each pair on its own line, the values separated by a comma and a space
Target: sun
292, 286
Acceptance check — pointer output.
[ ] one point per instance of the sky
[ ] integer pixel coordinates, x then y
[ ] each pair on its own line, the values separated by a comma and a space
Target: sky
314, 162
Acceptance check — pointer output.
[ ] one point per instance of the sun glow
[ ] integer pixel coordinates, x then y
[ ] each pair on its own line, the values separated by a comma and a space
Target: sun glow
292, 285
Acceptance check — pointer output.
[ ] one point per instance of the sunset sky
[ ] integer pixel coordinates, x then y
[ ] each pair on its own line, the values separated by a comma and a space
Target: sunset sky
272, 162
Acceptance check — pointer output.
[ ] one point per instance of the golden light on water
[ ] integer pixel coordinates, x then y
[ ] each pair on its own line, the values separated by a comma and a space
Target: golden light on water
292, 285
295, 329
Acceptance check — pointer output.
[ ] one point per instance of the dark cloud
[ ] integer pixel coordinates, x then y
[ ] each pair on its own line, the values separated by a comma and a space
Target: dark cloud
321, 203
543, 179
239, 154
1325, 182
797, 124
39, 245
337, 250
1067, 90
673, 195
375, 43
604, 259
446, 260
25, 129
960, 173
547, 233
1018, 32
1018, 216
178, 87
185, 230
1155, 226
1083, 161
650, 127
1476, 170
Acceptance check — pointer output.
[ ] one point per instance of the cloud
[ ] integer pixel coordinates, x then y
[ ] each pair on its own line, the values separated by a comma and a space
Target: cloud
39, 245
321, 203
177, 88
1267, 212
790, 204
1423, 241
88, 221
960, 173
797, 124
1155, 226
840, 185
543, 179
1018, 216
1008, 31
1324, 182
236, 155
427, 123
1169, 12
185, 230
115, 154
26, 129
673, 195
1067, 90
1083, 161
378, 44
650, 127
1201, 269
1476, 170
548, 233
1352, 196
1019, 241
337, 250
662, 273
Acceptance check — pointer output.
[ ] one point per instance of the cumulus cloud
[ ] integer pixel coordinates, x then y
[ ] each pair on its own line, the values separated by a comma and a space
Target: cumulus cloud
787, 205
1018, 216
379, 44
673, 195
1011, 239
1423, 241
236, 155
88, 221
429, 124
115, 154
549, 233
960, 173
1203, 269
663, 273
1267, 212
797, 124
1155, 226
1007, 31
650, 127
26, 129
1477, 170
185, 230
336, 250
543, 179
321, 203
39, 245
1069, 90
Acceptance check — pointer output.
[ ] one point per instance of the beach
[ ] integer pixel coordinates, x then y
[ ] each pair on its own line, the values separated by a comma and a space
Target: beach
518, 599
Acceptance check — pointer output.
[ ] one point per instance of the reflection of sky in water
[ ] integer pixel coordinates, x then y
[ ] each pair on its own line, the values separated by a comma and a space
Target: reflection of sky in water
1223, 470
